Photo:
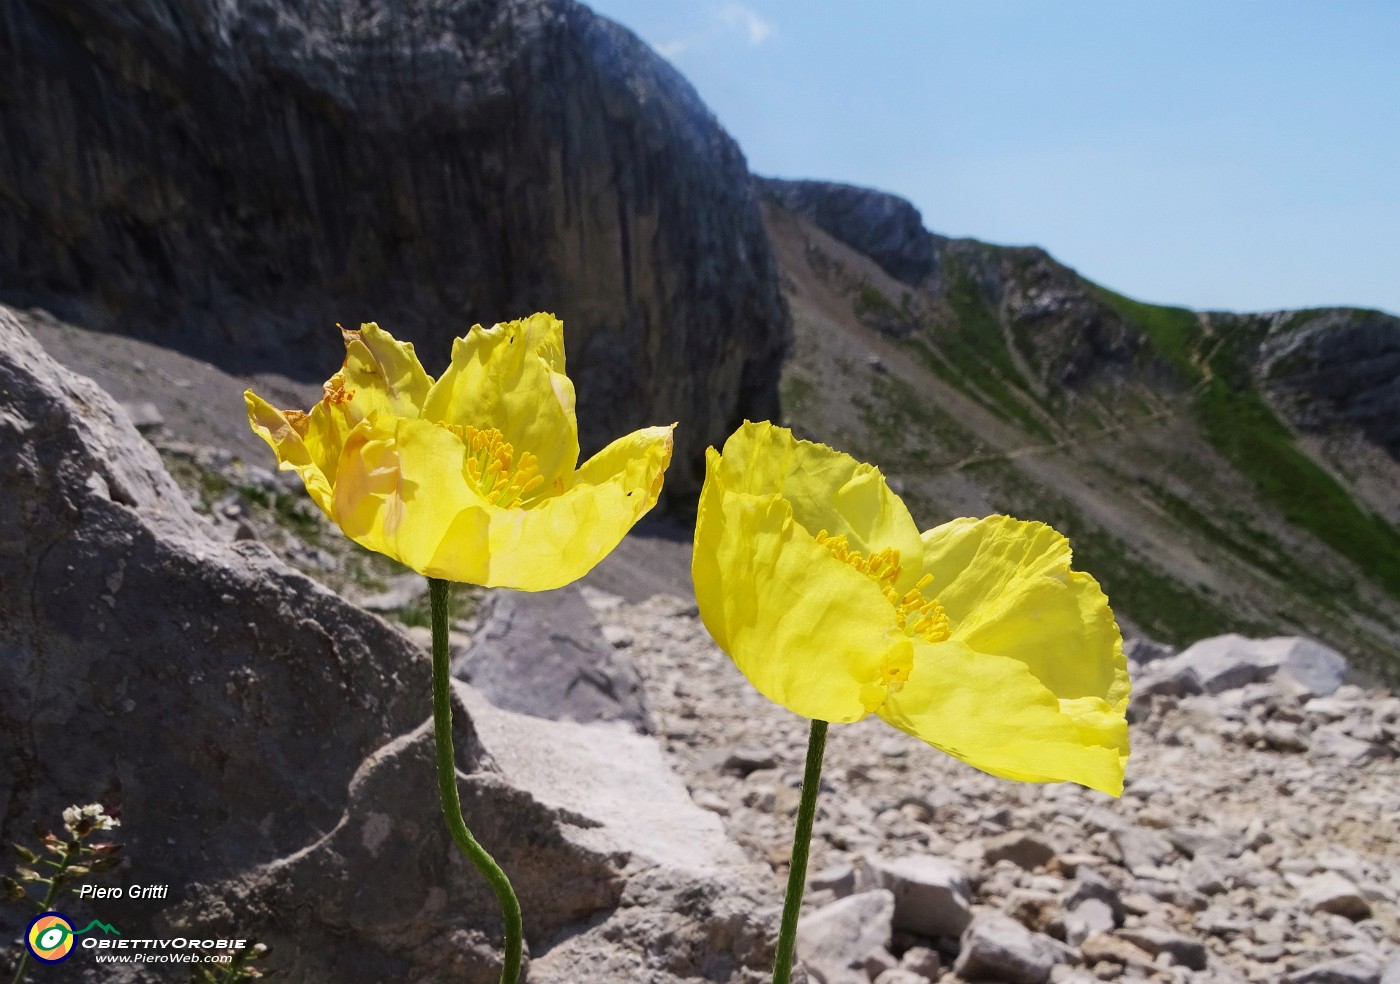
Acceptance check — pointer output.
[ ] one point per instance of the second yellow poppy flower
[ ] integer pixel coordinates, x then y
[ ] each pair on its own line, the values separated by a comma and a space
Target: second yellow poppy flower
975, 636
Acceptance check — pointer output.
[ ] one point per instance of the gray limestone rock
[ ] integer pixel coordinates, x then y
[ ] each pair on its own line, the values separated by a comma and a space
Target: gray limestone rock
997, 948
1330, 892
1346, 970
146, 416
1309, 669
835, 941
1090, 884
745, 761
1142, 847
1143, 651
1229, 662
403, 591
1090, 916
901, 975
1106, 948
268, 169
922, 961
1201, 842
1332, 743
839, 879
931, 896
542, 653
1183, 950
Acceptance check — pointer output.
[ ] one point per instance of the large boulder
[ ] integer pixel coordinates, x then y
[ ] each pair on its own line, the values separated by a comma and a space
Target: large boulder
544, 654
270, 748
233, 177
1298, 665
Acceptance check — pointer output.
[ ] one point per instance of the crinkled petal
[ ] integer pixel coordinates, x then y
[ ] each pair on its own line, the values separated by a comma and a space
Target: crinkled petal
400, 488
511, 377
557, 539
383, 374
826, 489
809, 632
992, 713
1008, 590
296, 444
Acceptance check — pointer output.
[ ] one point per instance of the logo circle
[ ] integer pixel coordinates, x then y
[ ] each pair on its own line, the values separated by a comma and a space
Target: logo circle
50, 937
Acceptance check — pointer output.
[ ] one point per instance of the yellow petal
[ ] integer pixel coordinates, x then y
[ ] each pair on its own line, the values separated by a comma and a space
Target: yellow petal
557, 539
827, 489
289, 436
511, 377
809, 632
383, 375
992, 713
1007, 588
400, 488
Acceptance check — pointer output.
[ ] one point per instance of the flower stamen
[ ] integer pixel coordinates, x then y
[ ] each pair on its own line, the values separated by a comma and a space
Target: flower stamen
918, 614
493, 467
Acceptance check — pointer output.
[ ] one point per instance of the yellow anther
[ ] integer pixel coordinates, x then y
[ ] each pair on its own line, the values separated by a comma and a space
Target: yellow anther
492, 466
918, 614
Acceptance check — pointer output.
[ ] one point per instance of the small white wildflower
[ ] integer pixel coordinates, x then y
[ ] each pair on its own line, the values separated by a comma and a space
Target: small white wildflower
94, 814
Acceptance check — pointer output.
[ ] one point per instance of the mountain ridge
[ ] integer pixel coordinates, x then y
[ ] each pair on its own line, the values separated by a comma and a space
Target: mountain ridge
1001, 380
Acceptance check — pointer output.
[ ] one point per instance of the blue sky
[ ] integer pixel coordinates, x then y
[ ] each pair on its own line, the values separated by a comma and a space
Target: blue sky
1241, 155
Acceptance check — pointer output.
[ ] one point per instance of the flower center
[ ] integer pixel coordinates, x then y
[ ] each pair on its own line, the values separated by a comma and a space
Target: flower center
918, 614
493, 467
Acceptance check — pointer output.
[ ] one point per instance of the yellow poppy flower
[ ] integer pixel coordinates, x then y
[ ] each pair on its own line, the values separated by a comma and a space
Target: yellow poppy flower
976, 636
471, 477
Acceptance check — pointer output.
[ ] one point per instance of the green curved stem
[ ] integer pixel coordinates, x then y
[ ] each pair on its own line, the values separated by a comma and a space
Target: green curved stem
447, 786
801, 847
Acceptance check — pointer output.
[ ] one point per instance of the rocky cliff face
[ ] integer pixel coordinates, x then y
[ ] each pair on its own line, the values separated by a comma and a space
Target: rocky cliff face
1337, 368
232, 178
884, 227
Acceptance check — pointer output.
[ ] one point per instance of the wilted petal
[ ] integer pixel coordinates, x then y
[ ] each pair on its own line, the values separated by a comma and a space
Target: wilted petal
287, 433
810, 632
511, 377
382, 374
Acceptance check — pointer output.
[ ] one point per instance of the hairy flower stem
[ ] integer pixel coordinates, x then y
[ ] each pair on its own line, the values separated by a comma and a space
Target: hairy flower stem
447, 785
801, 846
